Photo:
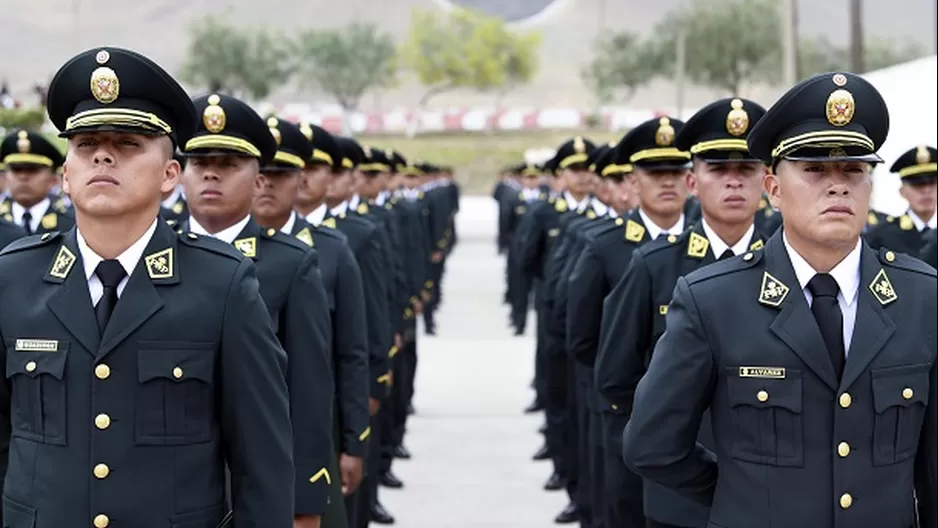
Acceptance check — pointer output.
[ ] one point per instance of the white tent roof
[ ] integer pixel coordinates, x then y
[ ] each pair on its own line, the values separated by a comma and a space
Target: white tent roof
911, 93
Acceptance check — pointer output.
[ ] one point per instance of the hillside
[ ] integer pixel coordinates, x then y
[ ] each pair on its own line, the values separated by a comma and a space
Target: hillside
39, 34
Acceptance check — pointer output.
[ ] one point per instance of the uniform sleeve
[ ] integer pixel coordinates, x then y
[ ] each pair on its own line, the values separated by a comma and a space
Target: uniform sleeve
351, 344
5, 423
624, 336
530, 244
254, 409
929, 252
374, 281
660, 440
926, 465
584, 306
307, 341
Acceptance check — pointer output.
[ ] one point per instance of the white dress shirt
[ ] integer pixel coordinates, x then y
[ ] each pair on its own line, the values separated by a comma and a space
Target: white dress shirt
847, 275
227, 235
530, 195
718, 246
654, 230
288, 227
340, 209
174, 197
600, 208
574, 205
35, 211
316, 217
921, 224
128, 260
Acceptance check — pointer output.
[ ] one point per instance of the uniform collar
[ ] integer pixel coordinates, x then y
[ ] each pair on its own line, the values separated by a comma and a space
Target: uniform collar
354, 201
128, 259
921, 224
226, 235
288, 226
846, 272
35, 211
316, 217
718, 245
340, 209
599, 207
654, 230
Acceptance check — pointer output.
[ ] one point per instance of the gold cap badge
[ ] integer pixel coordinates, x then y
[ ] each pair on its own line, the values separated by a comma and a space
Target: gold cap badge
737, 121
213, 117
922, 156
840, 108
22, 141
105, 86
578, 145
272, 125
665, 134
306, 130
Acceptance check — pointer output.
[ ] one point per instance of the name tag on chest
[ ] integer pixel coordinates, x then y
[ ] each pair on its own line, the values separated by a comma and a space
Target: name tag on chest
37, 345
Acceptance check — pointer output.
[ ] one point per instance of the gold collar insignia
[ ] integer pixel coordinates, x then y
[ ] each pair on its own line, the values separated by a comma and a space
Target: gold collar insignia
772, 291
305, 236
697, 246
160, 264
757, 245
63, 263
882, 289
634, 232
49, 221
247, 246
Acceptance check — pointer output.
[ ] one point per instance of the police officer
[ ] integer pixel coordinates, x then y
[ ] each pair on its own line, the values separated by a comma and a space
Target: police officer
815, 355
9, 232
32, 162
929, 251
229, 147
147, 361
917, 171
728, 182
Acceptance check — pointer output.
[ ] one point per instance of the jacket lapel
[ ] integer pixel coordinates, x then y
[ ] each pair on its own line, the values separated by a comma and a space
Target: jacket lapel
71, 302
140, 298
795, 324
247, 241
873, 327
697, 252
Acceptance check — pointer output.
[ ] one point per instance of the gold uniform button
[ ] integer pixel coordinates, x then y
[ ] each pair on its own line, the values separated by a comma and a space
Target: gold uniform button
846, 400
843, 449
102, 371
102, 471
31, 366
846, 501
762, 396
747, 257
907, 393
890, 256
102, 421
101, 521
177, 373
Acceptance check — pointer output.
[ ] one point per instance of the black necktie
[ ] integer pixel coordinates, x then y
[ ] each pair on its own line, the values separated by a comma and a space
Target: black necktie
663, 234
727, 254
28, 222
110, 273
829, 319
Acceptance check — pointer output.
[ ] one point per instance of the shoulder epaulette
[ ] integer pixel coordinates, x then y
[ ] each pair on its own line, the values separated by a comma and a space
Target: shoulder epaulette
285, 239
905, 262
906, 223
31, 241
210, 244
725, 267
658, 244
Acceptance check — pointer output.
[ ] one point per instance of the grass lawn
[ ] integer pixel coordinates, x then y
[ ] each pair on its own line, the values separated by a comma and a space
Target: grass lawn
477, 157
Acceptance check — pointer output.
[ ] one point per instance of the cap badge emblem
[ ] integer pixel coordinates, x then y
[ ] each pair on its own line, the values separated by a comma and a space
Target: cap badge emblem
307, 131
105, 86
213, 117
274, 131
22, 142
737, 121
665, 134
922, 156
839, 79
840, 108
578, 145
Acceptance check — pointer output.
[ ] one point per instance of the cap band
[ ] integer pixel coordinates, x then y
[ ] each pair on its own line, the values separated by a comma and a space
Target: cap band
659, 153
914, 170
616, 169
322, 156
117, 117
719, 144
530, 171
825, 139
409, 169
223, 142
32, 159
289, 159
374, 167
570, 160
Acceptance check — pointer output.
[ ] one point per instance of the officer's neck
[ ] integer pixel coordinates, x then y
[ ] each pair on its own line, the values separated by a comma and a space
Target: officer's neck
333, 202
822, 256
109, 236
579, 197
368, 196
217, 223
925, 215
306, 208
275, 221
663, 221
730, 233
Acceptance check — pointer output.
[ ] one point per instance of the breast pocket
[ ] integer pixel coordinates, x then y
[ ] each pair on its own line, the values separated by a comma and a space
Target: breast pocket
38, 390
176, 394
900, 395
767, 418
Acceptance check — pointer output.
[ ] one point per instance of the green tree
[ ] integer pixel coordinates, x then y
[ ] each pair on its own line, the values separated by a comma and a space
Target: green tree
819, 54
223, 58
621, 64
346, 63
727, 42
463, 49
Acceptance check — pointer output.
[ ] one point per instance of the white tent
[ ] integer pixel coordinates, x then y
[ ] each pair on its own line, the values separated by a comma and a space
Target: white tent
911, 93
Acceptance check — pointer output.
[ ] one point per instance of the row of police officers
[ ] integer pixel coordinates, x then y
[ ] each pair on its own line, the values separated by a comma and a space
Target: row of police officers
727, 335
211, 320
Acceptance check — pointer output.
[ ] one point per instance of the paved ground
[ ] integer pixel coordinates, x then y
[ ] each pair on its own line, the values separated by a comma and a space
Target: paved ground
471, 444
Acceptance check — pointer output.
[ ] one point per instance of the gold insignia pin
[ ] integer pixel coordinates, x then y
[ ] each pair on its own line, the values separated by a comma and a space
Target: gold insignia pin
672, 238
837, 152
22, 142
160, 264
213, 117
4, 207
905, 223
553, 232
839, 79
329, 222
578, 145
697, 246
772, 291
271, 232
49, 221
520, 210
274, 131
890, 256
307, 131
840, 108
922, 156
763, 203
102, 57
663, 309
871, 219
560, 206
665, 134
62, 265
882, 289
591, 215
8, 217
178, 207
362, 208
305, 236
634, 232
737, 120
247, 246
620, 221
105, 86
757, 245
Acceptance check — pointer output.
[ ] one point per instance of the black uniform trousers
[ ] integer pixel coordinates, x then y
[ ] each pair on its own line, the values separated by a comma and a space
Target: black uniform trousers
597, 461
624, 503
368, 491
580, 434
555, 396
540, 350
